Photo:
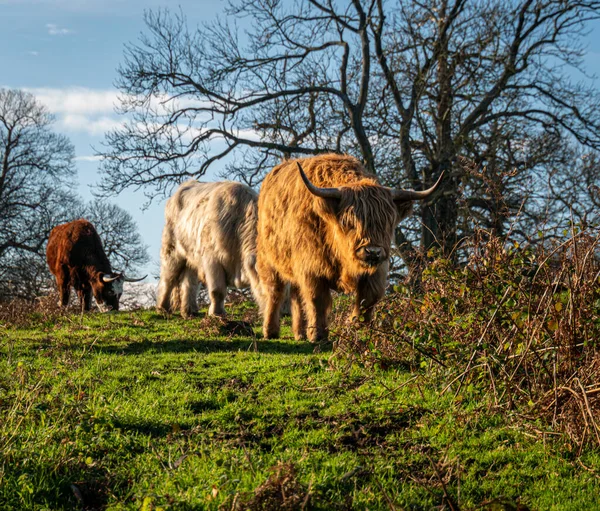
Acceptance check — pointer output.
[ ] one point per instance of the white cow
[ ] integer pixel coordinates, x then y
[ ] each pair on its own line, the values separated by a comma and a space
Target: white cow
209, 237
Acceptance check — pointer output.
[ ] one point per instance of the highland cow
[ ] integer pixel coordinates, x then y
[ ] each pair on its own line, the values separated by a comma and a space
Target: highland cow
325, 223
76, 258
209, 237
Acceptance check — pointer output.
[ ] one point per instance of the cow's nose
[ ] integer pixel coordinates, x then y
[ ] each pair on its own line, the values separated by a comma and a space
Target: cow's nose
374, 252
372, 255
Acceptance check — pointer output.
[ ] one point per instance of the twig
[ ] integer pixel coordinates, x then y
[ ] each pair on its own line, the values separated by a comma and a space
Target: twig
451, 503
400, 386
587, 405
389, 501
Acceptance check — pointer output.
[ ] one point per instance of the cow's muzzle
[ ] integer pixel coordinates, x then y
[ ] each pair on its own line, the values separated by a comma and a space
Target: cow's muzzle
371, 255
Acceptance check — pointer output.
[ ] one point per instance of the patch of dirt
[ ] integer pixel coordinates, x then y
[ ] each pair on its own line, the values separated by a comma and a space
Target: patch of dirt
280, 492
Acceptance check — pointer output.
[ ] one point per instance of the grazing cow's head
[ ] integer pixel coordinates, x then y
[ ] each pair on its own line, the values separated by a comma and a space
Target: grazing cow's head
108, 288
362, 217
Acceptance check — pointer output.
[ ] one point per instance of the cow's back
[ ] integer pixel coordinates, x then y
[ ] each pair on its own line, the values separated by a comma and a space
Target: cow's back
76, 244
212, 221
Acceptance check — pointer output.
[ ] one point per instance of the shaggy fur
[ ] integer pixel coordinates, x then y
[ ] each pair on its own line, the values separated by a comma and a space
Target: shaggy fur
318, 244
76, 258
209, 237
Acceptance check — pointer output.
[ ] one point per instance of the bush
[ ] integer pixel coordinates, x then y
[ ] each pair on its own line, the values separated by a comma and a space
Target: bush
521, 323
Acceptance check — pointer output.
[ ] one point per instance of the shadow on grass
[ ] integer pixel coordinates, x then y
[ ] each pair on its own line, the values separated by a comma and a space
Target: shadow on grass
213, 346
72, 486
153, 429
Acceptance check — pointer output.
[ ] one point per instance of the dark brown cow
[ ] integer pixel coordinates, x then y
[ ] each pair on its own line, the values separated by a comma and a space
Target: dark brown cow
325, 223
76, 258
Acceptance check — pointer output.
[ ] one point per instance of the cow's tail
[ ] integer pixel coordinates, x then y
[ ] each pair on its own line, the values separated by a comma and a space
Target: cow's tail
168, 295
248, 245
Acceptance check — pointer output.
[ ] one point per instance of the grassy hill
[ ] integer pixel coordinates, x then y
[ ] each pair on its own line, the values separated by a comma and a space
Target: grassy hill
137, 411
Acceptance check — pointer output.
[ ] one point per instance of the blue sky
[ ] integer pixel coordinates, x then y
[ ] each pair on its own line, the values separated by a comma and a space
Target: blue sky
66, 52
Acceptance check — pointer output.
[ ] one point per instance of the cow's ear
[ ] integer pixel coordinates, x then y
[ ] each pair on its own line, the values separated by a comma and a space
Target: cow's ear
404, 209
327, 207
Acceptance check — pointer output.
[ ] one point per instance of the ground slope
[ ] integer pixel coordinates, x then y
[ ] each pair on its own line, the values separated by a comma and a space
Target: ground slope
136, 411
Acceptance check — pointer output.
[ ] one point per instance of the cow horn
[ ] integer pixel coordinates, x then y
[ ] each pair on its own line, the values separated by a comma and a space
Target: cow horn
407, 195
325, 193
128, 279
111, 277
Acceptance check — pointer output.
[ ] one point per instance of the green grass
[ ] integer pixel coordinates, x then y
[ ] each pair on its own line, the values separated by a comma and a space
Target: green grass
135, 411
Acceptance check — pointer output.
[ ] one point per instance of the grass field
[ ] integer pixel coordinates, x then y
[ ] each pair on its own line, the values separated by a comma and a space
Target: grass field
137, 411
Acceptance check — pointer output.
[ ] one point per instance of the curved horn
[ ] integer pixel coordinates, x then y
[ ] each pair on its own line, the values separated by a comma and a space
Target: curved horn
127, 279
111, 277
325, 193
406, 195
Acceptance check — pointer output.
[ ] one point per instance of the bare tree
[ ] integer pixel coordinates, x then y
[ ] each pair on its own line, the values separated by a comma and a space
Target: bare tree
406, 86
119, 234
36, 177
35, 164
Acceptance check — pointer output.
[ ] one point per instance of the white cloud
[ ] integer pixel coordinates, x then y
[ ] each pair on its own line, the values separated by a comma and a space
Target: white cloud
77, 100
33, 53
249, 134
54, 29
91, 158
77, 123
91, 111
80, 109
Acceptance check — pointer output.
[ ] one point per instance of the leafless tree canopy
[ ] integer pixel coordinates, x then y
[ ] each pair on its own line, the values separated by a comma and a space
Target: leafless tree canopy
36, 164
405, 86
36, 180
118, 231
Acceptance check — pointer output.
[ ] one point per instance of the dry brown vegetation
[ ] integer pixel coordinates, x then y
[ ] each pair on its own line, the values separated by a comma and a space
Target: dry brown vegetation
22, 313
523, 323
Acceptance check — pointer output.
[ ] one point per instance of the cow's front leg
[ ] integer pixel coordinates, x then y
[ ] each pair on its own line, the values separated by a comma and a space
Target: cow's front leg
369, 291
298, 316
87, 299
273, 290
317, 305
81, 295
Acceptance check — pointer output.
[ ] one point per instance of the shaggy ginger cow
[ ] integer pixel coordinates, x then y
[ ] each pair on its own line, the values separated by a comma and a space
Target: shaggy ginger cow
76, 258
325, 223
209, 236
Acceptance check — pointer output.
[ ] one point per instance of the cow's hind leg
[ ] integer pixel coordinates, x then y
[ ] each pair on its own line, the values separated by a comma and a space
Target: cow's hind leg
298, 316
171, 270
216, 285
317, 305
63, 282
175, 298
189, 293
